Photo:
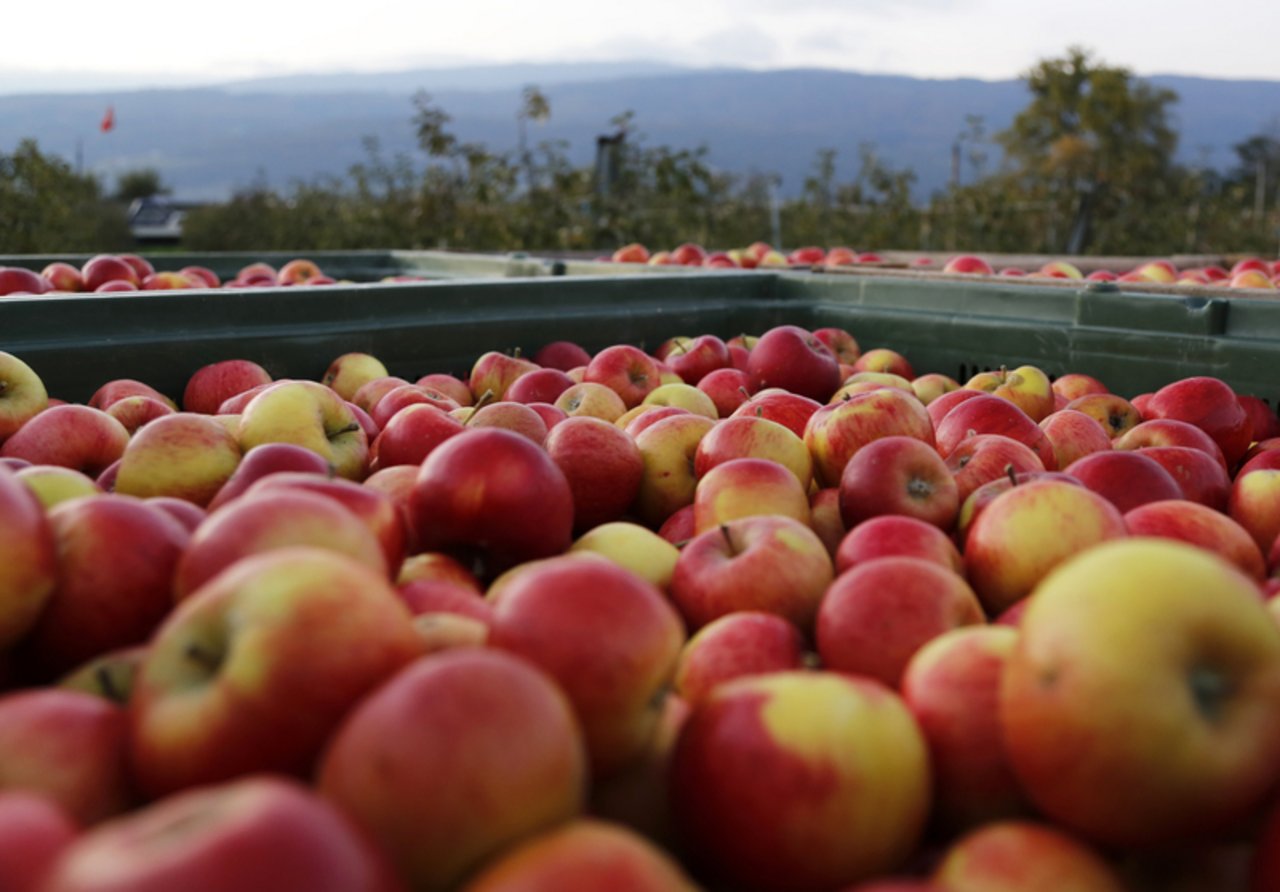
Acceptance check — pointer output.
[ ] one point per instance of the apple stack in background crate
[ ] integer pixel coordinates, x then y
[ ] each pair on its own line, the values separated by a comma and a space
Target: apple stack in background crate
765, 613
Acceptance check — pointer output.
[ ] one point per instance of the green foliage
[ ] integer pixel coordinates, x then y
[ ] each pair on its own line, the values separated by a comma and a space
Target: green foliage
142, 183
45, 206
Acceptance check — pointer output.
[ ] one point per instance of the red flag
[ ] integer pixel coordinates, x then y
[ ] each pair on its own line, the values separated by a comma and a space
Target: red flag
108, 120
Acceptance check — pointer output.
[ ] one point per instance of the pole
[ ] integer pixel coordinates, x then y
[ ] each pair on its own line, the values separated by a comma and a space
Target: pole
775, 213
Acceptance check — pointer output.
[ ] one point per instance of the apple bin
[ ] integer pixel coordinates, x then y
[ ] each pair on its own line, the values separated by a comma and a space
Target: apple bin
977, 598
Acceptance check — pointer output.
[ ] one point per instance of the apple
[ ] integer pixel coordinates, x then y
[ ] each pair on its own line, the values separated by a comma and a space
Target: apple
1170, 432
70, 748
896, 535
840, 342
122, 388
1211, 677
411, 435
202, 274
71, 436
36, 831
751, 436
793, 359
115, 285
978, 500
634, 421
556, 613
18, 281
350, 371
633, 252
836, 432
979, 460
771, 771
185, 455
987, 414
29, 565
694, 358
728, 389
397, 398
550, 414
1017, 855
824, 517
1077, 384
269, 458
685, 396
591, 399
116, 561
1116, 414
626, 370
882, 359
562, 355
1263, 420
189, 515
425, 765
103, 268
748, 487
632, 547
515, 417
875, 616
1202, 526
898, 475
669, 449
495, 372
259, 832
1211, 405
539, 386
939, 406
235, 405
372, 391
1254, 503
165, 281
931, 386
268, 521
311, 415
492, 495
968, 263
135, 411
377, 510
1027, 387
1060, 269
791, 410
22, 395
952, 687
1126, 479
1020, 537
583, 854
255, 670
768, 563
735, 646
62, 276
1200, 477
109, 675
53, 485
603, 465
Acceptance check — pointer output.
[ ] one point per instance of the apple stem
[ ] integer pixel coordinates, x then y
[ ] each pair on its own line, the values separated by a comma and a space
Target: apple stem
1013, 474
350, 428
485, 399
102, 675
724, 531
515, 354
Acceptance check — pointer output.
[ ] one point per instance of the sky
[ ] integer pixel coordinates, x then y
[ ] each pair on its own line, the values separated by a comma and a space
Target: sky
155, 43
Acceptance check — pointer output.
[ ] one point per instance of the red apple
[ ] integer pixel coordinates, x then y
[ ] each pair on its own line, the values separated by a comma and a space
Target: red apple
728, 388
269, 458
875, 616
116, 561
1074, 435
693, 359
968, 263
735, 646
72, 436
603, 466
840, 342
626, 370
1201, 526
411, 435
426, 765
69, 747
896, 535
791, 410
28, 559
837, 431
255, 671
1126, 479
898, 475
792, 358
103, 268
562, 355
1211, 405
770, 772
495, 372
1116, 414
260, 832
992, 415
63, 277
1200, 477
748, 487
36, 831
939, 407
1170, 432
202, 274
492, 495
882, 359
773, 564
952, 687
539, 386
1012, 856
1263, 420
977, 461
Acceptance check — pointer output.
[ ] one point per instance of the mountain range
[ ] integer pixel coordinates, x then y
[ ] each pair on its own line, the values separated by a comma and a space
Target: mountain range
206, 142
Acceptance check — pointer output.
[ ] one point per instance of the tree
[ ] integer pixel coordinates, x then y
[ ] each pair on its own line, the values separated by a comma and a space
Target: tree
142, 183
47, 207
1095, 142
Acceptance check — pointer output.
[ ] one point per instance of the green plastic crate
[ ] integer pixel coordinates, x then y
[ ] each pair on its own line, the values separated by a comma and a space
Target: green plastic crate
1134, 342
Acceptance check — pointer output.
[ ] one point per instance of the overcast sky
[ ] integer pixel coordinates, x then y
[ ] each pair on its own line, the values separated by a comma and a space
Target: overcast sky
159, 42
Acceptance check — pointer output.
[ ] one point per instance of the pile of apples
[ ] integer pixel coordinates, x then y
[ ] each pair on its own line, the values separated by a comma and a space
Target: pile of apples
105, 273
769, 612
758, 254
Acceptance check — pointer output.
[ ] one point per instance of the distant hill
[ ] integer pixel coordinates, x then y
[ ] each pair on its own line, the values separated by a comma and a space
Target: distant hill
208, 142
